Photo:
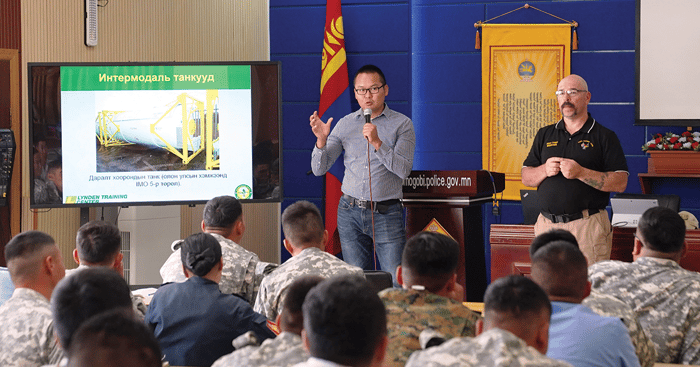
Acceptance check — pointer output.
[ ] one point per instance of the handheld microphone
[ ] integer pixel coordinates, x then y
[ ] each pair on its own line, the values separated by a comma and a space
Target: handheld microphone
368, 115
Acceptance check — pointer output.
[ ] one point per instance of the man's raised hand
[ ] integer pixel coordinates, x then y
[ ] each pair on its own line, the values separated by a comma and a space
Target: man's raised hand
320, 129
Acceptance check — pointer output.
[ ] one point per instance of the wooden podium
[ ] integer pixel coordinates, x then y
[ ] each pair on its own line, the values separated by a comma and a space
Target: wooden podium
450, 202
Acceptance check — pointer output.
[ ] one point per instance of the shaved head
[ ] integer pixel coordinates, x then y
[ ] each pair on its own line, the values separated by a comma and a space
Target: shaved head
25, 253
577, 81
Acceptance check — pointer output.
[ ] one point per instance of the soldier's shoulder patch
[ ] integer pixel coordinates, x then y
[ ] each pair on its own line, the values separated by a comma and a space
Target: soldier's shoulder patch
273, 327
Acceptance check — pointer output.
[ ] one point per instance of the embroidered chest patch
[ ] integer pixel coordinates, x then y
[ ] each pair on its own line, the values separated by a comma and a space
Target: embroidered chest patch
585, 144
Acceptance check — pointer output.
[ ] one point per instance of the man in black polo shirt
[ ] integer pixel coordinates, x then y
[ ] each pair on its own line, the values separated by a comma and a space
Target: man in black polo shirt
575, 164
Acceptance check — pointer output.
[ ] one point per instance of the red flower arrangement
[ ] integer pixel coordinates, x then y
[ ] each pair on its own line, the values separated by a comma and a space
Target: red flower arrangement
688, 140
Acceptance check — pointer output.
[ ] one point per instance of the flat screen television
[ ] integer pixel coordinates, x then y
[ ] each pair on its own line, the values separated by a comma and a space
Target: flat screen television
154, 133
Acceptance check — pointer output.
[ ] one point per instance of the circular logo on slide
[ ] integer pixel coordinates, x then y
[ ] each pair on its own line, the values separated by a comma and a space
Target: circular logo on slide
243, 192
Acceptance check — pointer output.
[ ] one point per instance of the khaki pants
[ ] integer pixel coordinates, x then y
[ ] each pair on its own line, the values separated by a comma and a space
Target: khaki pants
593, 233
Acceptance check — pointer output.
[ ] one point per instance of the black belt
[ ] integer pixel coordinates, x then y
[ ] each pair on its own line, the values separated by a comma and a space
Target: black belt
565, 218
379, 206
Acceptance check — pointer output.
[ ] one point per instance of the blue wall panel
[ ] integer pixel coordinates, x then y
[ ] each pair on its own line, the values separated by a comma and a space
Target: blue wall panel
447, 78
418, 3
620, 119
298, 135
603, 25
296, 182
442, 126
301, 77
292, 4
378, 28
297, 29
636, 164
609, 74
448, 28
510, 213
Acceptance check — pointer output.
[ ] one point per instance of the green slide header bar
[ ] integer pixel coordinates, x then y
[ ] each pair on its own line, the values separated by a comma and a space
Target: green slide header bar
145, 77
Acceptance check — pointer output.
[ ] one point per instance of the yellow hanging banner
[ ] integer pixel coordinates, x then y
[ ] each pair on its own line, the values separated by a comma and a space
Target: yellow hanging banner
521, 66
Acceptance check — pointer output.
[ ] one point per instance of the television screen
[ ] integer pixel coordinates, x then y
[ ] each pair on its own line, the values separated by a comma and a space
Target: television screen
154, 134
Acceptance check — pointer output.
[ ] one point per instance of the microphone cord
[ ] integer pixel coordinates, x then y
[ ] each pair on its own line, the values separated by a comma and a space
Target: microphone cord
371, 205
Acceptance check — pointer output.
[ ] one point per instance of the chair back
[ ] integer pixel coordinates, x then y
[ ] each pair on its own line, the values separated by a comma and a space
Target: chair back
379, 279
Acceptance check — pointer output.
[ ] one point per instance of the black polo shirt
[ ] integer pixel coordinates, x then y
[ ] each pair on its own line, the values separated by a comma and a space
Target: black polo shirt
593, 146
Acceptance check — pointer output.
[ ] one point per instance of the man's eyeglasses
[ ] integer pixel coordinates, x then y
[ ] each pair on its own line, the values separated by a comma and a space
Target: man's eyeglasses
373, 90
571, 92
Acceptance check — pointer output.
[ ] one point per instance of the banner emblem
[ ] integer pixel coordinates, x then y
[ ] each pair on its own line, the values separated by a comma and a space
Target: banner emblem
526, 70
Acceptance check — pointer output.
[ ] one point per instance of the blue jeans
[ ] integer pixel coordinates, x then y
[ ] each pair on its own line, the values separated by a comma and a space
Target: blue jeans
355, 230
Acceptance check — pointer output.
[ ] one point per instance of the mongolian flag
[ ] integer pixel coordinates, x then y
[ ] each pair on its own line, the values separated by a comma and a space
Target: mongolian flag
335, 102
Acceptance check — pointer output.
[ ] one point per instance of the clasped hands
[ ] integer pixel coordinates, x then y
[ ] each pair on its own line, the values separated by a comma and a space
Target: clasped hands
569, 168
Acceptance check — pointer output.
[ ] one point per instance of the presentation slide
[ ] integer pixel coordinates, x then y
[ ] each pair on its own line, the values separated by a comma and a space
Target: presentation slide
667, 58
135, 134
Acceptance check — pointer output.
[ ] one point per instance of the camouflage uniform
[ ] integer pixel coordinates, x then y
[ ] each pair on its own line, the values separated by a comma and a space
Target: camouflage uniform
666, 299
411, 311
494, 347
237, 277
284, 350
311, 261
26, 334
139, 306
262, 270
606, 305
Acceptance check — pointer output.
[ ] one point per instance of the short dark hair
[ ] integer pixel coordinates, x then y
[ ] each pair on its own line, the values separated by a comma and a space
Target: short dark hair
551, 236
98, 242
302, 223
517, 296
222, 212
560, 268
344, 320
56, 163
84, 294
662, 230
292, 316
113, 336
432, 257
26, 245
199, 253
370, 69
